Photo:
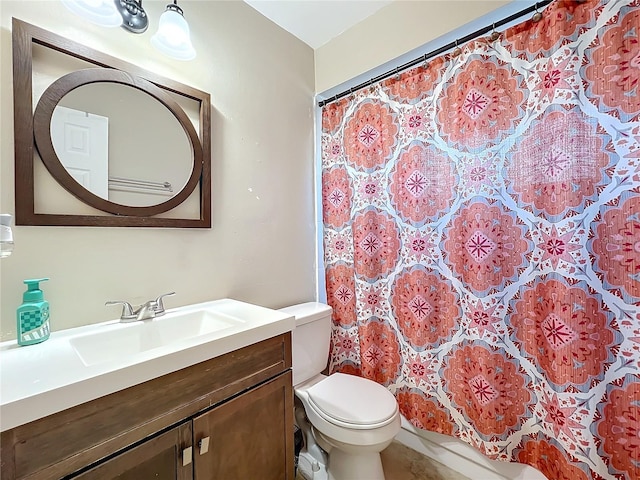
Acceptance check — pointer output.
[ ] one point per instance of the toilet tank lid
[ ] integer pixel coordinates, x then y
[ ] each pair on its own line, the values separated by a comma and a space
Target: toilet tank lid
307, 312
354, 400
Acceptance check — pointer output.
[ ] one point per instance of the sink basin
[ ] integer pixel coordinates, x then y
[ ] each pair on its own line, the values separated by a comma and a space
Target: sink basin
137, 337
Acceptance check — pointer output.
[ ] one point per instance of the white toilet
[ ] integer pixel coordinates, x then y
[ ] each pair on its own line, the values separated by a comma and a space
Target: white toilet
351, 418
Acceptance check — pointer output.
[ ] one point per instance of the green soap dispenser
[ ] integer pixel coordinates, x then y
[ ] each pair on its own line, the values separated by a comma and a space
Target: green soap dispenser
33, 314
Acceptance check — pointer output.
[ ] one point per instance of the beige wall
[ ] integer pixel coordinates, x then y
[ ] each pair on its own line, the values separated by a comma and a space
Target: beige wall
391, 32
261, 247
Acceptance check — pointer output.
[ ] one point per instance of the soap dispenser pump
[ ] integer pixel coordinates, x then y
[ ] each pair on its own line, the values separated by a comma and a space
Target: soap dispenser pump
33, 314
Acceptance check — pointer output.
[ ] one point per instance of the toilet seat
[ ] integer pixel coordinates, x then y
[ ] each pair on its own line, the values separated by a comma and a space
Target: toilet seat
361, 432
352, 402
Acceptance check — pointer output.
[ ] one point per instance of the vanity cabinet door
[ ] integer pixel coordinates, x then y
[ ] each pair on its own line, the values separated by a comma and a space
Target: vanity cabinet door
248, 437
167, 456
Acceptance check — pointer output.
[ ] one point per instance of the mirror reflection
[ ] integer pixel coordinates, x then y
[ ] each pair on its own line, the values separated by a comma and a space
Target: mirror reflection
106, 136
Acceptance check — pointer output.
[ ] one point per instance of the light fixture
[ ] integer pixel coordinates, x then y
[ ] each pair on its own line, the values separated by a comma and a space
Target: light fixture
173, 37
134, 18
100, 12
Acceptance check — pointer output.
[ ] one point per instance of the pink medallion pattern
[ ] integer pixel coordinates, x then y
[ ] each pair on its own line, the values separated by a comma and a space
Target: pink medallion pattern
349, 368
565, 331
483, 319
377, 244
424, 306
369, 136
561, 417
489, 388
553, 79
416, 122
372, 301
420, 369
424, 413
420, 245
554, 173
344, 344
422, 184
379, 352
415, 84
616, 247
484, 246
556, 247
560, 21
481, 106
333, 115
550, 460
341, 294
336, 197
480, 174
482, 240
619, 429
331, 152
613, 67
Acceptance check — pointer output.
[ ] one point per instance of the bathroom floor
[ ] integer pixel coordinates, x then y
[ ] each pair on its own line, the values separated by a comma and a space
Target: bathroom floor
403, 463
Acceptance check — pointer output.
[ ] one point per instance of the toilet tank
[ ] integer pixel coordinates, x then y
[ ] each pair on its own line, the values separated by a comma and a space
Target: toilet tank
310, 339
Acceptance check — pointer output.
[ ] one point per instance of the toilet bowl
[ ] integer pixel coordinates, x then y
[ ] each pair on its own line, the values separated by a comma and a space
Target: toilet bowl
353, 420
347, 420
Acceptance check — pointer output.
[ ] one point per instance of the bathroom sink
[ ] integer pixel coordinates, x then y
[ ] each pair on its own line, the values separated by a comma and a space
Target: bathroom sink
81, 364
141, 336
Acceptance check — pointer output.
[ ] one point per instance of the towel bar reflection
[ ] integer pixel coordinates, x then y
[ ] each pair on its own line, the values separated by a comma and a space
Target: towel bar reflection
140, 186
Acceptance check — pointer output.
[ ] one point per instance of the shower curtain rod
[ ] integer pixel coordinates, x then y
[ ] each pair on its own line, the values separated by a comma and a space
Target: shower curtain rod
438, 51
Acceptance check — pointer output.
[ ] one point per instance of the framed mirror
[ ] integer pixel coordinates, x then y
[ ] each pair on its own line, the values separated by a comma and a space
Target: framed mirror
129, 147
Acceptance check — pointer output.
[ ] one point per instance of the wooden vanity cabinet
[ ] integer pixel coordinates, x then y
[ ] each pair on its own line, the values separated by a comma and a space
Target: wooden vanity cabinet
158, 458
243, 438
241, 402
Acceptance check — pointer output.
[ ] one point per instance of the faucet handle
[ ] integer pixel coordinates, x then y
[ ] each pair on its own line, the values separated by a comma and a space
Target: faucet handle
159, 306
127, 309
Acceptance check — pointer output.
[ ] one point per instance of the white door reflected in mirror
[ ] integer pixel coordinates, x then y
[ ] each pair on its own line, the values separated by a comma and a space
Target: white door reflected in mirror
82, 140
141, 167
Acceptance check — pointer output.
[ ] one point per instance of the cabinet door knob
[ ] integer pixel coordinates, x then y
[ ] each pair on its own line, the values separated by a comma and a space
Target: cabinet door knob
204, 445
187, 453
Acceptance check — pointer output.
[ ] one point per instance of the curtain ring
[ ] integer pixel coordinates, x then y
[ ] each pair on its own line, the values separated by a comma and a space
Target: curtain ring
494, 35
536, 16
457, 51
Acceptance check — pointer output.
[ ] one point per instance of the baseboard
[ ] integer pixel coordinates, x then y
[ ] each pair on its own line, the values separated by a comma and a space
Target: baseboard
462, 457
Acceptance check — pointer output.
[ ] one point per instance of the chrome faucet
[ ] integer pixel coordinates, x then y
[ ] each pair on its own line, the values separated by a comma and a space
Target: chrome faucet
146, 311
127, 310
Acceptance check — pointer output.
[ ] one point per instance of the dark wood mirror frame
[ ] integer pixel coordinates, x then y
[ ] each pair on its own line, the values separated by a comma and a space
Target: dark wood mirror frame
33, 130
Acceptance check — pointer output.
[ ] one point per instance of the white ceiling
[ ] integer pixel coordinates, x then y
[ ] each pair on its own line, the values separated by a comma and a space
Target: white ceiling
315, 22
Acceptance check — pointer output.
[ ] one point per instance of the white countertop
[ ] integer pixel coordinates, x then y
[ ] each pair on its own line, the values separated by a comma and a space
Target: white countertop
42, 379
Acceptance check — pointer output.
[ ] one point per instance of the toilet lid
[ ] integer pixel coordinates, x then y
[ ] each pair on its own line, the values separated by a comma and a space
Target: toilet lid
353, 400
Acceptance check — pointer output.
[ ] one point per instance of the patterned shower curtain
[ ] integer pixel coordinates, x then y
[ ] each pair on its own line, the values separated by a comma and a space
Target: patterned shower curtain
482, 240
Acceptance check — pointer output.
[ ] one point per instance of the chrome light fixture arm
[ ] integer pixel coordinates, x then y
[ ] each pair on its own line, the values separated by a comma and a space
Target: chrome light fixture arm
134, 17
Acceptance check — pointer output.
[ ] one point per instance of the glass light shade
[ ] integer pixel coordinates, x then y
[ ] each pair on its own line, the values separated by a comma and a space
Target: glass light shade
100, 12
173, 37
